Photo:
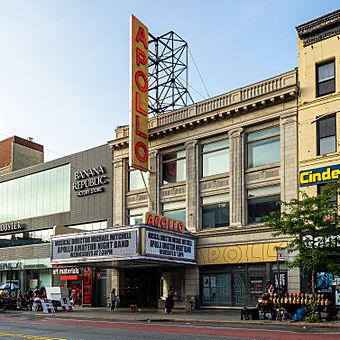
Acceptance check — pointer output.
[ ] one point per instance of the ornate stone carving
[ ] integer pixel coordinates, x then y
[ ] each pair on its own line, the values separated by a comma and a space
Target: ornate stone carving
191, 144
236, 133
153, 154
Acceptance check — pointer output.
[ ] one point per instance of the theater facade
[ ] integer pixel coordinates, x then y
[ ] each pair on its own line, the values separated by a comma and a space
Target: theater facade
195, 220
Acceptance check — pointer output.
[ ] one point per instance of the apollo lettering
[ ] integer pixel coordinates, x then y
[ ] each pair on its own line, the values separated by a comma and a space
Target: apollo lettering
139, 153
163, 222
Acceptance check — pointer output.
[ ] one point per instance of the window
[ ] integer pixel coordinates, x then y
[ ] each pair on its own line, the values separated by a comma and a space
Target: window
261, 202
26, 238
215, 211
263, 147
215, 158
136, 179
43, 193
325, 77
326, 135
175, 210
322, 187
91, 226
173, 166
135, 215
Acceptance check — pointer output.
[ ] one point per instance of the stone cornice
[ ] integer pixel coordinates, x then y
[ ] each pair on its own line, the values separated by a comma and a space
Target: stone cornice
251, 98
320, 28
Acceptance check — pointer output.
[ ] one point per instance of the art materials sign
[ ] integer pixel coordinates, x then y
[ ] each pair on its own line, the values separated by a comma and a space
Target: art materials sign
139, 155
169, 245
90, 181
163, 222
92, 246
319, 175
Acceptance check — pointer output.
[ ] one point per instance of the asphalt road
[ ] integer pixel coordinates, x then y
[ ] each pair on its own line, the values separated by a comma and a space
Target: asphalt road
22, 327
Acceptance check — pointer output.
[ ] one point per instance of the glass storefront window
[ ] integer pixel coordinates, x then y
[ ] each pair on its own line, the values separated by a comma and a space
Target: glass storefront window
91, 226
263, 147
26, 238
215, 211
173, 167
135, 215
39, 194
215, 158
175, 210
261, 202
136, 179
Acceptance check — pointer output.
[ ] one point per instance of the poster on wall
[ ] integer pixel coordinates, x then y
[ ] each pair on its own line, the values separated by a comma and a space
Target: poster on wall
90, 246
256, 285
169, 245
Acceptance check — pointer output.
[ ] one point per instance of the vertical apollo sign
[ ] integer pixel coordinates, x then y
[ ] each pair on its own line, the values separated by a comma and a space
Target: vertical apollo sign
139, 155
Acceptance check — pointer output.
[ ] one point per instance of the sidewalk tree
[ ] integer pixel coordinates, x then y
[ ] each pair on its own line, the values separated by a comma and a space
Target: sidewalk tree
313, 221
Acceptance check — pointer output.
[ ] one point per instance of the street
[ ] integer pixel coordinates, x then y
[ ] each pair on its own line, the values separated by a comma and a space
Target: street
37, 327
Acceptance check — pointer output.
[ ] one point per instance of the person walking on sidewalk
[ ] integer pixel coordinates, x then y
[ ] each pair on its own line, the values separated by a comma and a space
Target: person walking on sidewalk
113, 299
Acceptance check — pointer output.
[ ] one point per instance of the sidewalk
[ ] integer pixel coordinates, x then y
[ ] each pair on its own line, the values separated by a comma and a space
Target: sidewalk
217, 317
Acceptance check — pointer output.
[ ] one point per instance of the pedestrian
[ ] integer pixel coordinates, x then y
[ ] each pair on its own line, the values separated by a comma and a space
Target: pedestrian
76, 297
113, 299
169, 302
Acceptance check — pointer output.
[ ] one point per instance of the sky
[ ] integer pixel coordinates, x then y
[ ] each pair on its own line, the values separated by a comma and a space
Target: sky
64, 64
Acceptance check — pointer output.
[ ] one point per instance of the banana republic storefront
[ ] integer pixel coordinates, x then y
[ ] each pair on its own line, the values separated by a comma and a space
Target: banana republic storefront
146, 259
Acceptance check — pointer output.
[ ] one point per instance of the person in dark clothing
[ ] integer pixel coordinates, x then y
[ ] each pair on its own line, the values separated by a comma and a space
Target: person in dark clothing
169, 302
113, 299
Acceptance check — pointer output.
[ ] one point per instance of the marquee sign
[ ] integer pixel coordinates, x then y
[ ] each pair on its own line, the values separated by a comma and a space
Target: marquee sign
139, 155
95, 245
319, 175
169, 245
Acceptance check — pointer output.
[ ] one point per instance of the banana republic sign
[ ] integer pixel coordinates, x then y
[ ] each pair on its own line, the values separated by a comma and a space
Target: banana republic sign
90, 181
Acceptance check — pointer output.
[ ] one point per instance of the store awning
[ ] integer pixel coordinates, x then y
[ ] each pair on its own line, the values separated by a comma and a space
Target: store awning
71, 277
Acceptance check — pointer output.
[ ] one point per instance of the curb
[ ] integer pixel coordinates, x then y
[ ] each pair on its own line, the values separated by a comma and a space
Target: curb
141, 318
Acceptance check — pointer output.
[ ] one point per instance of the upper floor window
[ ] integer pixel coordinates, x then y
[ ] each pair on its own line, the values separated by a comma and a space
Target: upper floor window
39, 194
137, 179
173, 167
325, 78
26, 238
263, 147
261, 202
333, 199
215, 158
326, 135
135, 215
175, 210
215, 211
